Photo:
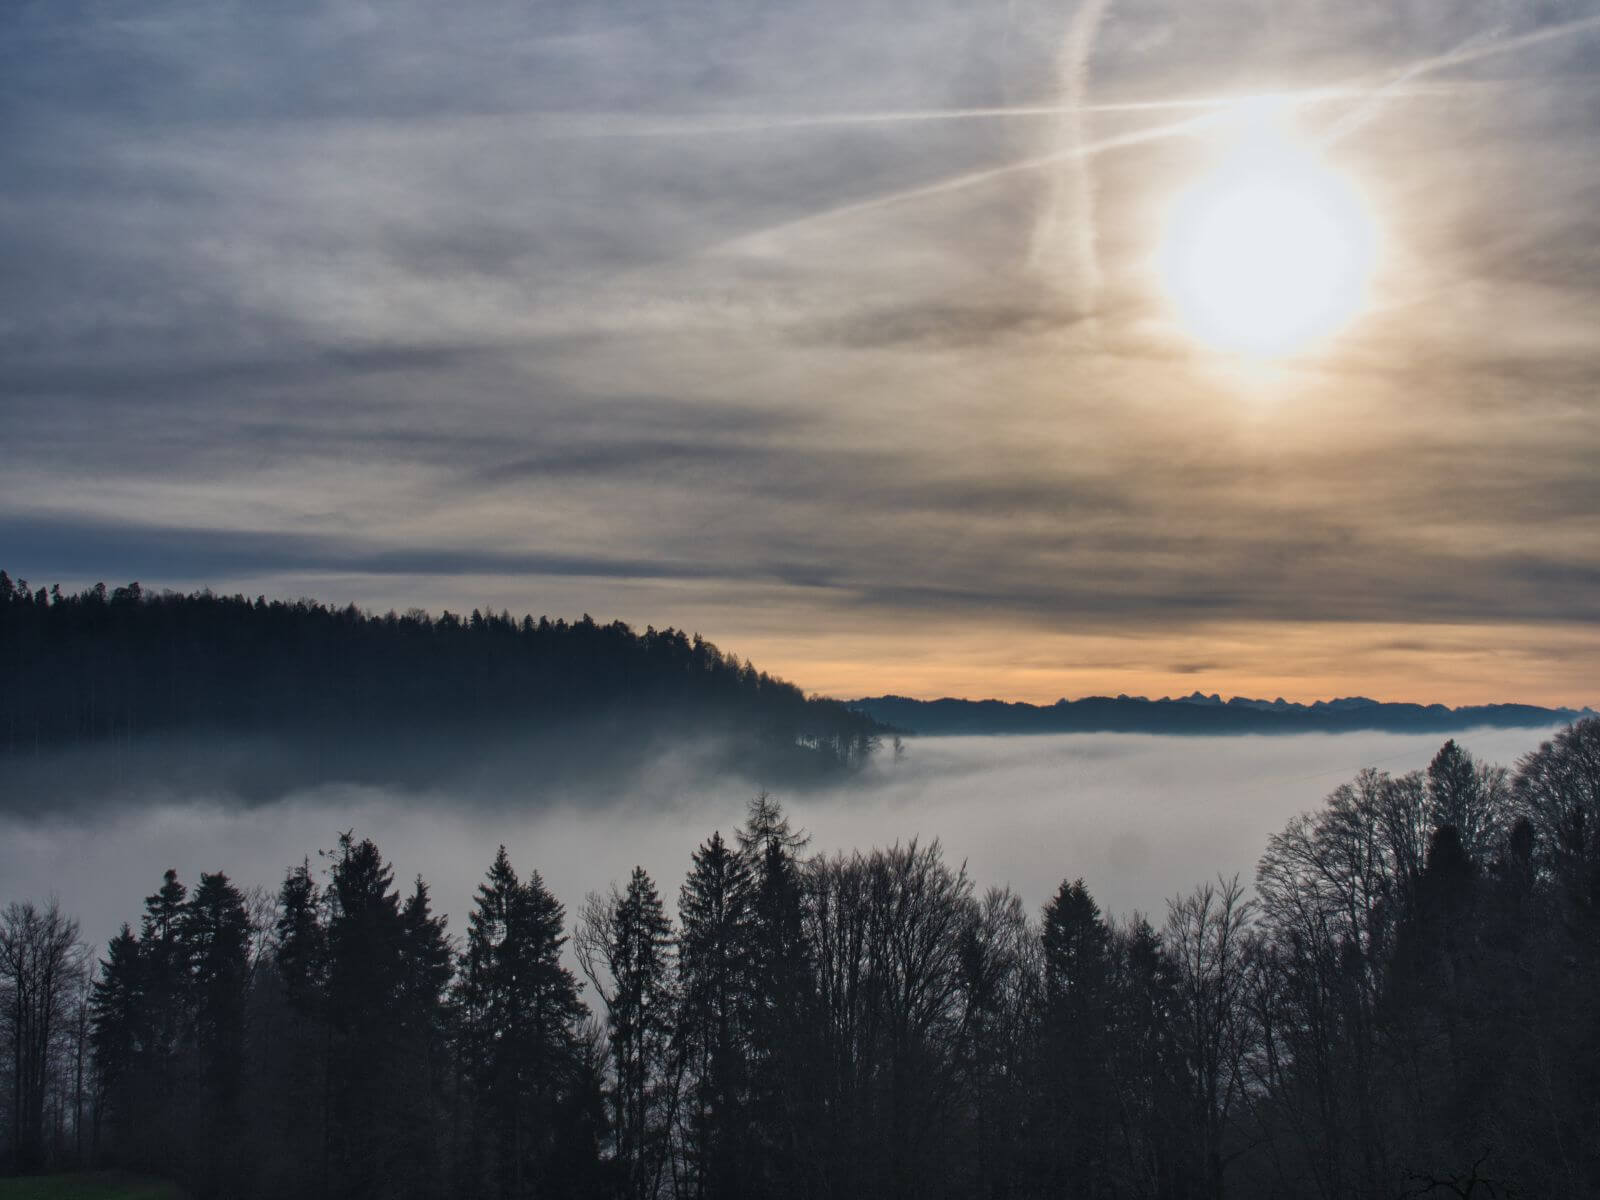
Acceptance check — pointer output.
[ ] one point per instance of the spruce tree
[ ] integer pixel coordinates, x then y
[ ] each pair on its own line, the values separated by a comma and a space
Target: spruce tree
1075, 1041
715, 985
301, 941
216, 931
521, 1050
365, 971
117, 1006
781, 1055
164, 1072
420, 1067
296, 1059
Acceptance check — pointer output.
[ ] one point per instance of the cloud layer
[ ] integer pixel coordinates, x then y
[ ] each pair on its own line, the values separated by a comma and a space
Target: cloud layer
705, 314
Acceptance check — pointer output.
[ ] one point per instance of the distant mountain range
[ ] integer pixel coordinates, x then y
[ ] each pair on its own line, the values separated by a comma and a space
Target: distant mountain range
1199, 714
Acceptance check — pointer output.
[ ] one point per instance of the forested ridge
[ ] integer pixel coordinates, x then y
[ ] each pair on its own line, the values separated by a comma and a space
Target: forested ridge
1401, 1006
107, 667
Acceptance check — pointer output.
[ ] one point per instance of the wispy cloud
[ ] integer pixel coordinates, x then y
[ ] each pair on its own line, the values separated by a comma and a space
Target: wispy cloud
736, 319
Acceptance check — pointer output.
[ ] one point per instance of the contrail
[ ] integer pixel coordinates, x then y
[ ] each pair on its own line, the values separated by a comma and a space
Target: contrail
971, 178
1483, 45
1369, 108
635, 125
1213, 111
632, 125
1468, 52
1064, 239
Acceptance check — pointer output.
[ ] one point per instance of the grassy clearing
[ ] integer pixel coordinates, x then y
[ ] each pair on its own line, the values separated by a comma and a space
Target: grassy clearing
102, 1185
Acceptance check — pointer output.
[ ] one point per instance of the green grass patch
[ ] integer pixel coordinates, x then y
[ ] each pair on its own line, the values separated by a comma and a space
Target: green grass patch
101, 1185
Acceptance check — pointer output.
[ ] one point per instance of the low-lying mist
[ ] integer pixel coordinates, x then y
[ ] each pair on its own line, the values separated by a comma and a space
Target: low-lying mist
1138, 817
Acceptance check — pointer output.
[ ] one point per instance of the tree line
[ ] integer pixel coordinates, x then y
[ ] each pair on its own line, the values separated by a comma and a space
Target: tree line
1401, 1006
111, 666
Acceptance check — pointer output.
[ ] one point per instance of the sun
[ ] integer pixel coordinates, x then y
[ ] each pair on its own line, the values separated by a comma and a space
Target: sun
1270, 252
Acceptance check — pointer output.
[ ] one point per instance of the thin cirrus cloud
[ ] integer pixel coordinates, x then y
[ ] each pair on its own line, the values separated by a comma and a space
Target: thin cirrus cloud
826, 328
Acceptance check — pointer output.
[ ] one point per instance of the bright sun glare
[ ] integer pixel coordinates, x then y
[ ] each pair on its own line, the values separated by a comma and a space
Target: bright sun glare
1269, 252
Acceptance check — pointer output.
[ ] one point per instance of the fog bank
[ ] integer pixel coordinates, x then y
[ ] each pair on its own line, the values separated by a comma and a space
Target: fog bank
1139, 817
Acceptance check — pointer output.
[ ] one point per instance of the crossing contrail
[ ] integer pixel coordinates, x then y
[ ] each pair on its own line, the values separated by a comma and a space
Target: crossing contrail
1405, 85
1483, 45
1212, 111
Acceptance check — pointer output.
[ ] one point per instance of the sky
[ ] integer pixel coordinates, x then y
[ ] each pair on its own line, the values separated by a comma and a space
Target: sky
843, 332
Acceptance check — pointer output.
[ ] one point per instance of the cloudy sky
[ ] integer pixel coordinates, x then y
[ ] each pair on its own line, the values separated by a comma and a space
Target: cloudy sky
842, 331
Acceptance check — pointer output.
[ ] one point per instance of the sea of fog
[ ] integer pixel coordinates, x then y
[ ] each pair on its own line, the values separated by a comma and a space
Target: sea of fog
1138, 817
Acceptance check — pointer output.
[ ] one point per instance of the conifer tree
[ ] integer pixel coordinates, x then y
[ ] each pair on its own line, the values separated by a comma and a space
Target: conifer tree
715, 985
420, 1068
216, 931
1471, 797
1076, 1046
301, 941
167, 1000
521, 1049
295, 1060
780, 1058
365, 971
117, 1011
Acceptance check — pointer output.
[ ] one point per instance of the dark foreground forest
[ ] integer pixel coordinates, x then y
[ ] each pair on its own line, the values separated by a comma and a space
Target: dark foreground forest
399, 698
1404, 1006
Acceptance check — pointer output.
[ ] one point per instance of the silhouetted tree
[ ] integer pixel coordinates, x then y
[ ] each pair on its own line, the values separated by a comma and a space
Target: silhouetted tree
716, 991
366, 971
422, 1065
165, 1031
1075, 1042
1147, 1067
1208, 939
780, 1057
523, 1052
1002, 979
1471, 798
296, 1043
624, 944
215, 930
41, 963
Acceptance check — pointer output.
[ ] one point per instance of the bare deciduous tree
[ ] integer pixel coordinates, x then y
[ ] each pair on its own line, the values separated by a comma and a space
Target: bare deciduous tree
1208, 936
41, 971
